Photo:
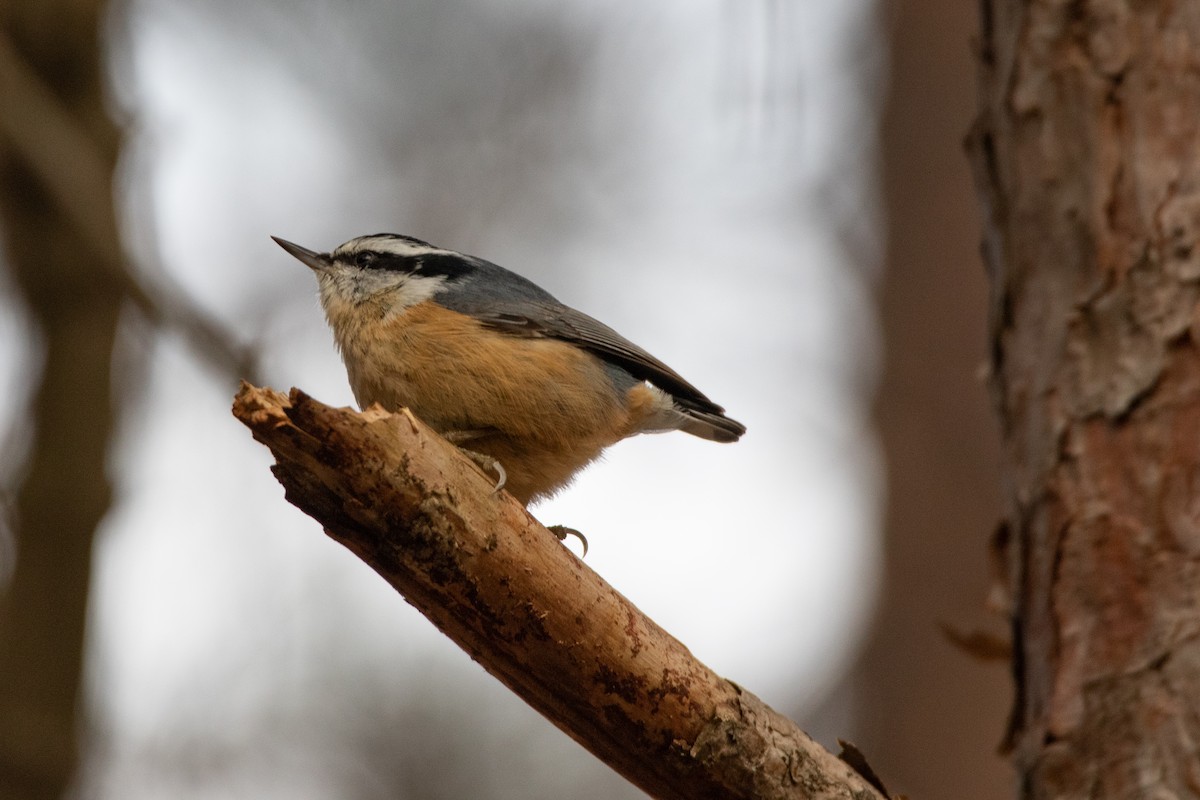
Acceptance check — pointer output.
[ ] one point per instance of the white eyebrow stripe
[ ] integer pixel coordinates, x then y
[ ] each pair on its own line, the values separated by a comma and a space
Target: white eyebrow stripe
386, 244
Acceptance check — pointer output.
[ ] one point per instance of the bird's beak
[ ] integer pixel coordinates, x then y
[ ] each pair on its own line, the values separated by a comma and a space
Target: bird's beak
311, 259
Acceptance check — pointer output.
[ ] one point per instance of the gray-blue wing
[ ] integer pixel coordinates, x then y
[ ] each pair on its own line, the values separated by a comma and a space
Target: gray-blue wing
519, 307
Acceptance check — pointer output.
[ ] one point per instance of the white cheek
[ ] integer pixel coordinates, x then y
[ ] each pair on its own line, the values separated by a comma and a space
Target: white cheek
397, 291
410, 291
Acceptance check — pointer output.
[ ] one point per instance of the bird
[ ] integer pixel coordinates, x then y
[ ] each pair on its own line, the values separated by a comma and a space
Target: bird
525, 385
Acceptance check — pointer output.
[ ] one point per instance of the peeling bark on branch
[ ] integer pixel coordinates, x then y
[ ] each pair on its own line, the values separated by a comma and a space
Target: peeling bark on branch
490, 577
1087, 155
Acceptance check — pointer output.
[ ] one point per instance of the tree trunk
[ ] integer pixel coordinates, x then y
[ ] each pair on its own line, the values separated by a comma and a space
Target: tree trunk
51, 50
933, 716
1086, 155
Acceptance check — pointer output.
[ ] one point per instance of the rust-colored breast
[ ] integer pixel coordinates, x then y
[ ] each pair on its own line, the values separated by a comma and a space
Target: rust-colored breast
551, 406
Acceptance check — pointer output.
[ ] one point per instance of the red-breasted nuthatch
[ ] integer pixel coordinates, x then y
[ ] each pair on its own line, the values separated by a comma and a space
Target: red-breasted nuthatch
494, 363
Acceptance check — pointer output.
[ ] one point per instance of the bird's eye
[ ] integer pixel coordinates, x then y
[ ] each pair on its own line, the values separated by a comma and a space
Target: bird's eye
364, 260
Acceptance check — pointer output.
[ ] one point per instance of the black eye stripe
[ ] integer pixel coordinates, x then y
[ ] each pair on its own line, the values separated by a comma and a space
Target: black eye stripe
433, 265
376, 260
444, 265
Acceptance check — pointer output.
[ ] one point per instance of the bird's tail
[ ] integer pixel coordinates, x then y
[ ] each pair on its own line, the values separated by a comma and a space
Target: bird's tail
711, 425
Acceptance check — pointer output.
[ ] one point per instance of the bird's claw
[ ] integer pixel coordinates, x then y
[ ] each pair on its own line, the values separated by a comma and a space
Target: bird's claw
562, 532
489, 464
501, 475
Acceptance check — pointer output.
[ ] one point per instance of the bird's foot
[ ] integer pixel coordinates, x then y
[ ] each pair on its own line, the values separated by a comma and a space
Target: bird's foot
462, 437
562, 532
488, 464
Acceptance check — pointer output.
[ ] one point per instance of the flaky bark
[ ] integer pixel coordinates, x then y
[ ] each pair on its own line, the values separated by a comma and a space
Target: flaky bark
1088, 158
490, 577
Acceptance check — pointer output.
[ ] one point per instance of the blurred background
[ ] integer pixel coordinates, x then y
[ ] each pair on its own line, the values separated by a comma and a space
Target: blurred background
769, 195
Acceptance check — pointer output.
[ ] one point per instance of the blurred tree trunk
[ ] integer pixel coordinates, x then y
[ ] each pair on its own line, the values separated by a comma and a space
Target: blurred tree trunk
932, 717
1086, 154
75, 305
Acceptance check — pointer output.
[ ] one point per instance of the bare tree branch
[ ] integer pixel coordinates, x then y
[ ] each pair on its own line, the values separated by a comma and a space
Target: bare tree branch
490, 577
71, 167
